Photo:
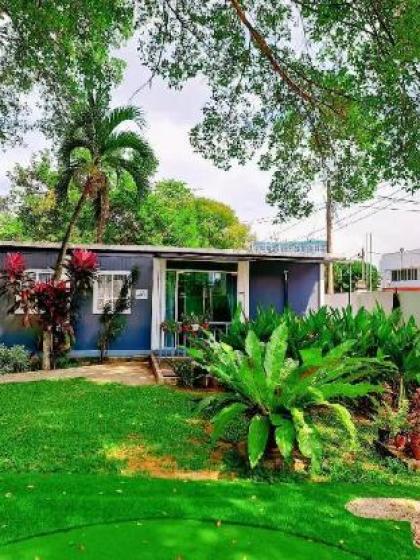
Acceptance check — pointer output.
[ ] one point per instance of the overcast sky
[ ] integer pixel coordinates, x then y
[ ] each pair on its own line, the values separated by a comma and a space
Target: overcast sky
170, 115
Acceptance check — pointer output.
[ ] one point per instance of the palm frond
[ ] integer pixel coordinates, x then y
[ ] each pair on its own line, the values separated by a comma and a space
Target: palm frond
136, 167
125, 140
120, 115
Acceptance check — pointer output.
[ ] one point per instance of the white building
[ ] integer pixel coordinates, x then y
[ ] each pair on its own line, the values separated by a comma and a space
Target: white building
400, 270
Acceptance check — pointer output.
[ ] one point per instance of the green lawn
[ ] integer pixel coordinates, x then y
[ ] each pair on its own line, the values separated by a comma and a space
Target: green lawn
61, 496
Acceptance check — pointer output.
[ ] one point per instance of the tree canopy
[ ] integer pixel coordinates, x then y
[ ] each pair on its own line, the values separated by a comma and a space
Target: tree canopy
56, 47
320, 90
170, 214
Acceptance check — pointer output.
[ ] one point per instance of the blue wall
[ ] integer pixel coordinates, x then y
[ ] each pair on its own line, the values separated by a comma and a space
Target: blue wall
134, 339
266, 285
266, 288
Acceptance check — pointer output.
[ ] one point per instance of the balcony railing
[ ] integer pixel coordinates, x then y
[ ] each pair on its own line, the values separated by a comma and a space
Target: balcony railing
176, 343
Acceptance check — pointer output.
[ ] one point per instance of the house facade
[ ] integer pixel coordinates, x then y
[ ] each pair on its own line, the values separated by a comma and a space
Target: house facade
400, 271
172, 283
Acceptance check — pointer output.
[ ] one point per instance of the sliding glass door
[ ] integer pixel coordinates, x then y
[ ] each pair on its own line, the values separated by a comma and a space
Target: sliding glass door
201, 296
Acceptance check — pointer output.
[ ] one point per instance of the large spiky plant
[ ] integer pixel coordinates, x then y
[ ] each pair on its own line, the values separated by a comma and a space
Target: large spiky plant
94, 151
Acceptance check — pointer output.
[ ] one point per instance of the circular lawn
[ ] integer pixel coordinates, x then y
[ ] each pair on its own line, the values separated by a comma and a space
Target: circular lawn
178, 539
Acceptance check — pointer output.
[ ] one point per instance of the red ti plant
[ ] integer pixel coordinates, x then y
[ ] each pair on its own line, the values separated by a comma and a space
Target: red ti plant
52, 304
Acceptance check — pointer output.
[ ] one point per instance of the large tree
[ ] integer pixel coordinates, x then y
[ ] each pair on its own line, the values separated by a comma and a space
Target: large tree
169, 214
96, 149
323, 91
54, 48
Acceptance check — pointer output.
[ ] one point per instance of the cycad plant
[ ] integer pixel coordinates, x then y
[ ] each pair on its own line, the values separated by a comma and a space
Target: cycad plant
279, 397
95, 150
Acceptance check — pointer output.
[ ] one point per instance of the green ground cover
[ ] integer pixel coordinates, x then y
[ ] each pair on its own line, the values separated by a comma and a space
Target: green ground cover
56, 475
36, 504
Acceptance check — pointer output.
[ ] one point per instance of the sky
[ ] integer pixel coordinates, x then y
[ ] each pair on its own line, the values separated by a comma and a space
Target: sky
171, 114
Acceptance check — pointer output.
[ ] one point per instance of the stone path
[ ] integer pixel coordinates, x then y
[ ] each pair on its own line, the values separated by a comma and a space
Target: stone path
397, 509
124, 372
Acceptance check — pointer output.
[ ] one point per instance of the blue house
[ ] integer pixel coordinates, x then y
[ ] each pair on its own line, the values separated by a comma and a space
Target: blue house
173, 282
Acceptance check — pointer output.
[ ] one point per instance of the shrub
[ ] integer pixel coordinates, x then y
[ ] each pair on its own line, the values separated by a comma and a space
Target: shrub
14, 359
279, 397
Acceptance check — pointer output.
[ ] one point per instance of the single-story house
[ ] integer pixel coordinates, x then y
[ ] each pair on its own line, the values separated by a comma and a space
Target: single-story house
172, 282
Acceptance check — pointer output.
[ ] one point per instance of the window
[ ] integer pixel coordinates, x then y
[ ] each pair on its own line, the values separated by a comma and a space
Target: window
404, 274
107, 288
37, 275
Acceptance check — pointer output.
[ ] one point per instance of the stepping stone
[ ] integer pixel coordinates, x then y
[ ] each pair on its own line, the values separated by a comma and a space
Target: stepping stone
395, 509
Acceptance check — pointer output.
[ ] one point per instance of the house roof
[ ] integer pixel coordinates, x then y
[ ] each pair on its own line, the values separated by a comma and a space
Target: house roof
176, 252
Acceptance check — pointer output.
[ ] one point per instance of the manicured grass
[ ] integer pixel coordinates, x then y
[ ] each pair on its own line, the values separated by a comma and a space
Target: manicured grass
69, 426
43, 504
56, 474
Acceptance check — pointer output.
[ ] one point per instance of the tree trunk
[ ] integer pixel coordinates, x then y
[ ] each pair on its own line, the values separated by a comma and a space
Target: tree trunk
329, 224
47, 338
65, 243
103, 215
46, 350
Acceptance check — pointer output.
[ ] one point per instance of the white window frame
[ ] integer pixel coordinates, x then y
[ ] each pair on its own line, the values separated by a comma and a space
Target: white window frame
95, 309
36, 272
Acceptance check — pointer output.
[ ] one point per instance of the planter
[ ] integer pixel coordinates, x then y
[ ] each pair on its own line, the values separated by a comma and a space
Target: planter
400, 442
415, 445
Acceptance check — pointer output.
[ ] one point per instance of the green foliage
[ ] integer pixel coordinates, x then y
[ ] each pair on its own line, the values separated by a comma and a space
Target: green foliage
58, 48
367, 334
14, 359
112, 320
279, 397
342, 273
342, 110
189, 375
168, 214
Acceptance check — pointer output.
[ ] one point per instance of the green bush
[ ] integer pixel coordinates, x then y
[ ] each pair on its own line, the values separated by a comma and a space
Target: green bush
280, 397
14, 359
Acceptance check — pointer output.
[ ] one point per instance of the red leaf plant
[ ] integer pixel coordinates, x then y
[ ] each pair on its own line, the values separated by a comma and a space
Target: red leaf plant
14, 266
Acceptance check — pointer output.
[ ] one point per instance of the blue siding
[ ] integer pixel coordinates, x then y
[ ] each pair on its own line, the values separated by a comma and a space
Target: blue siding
266, 285
134, 339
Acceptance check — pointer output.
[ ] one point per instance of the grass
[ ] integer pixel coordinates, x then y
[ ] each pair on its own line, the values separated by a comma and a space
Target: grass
56, 475
69, 426
42, 504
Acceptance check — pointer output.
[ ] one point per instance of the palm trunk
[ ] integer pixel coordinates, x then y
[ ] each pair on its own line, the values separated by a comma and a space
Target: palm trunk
47, 337
65, 243
329, 224
104, 214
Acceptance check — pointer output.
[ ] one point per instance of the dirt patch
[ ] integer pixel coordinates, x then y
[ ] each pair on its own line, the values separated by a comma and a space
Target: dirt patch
139, 459
389, 508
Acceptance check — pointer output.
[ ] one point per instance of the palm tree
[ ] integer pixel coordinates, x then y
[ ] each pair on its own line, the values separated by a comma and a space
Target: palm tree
95, 150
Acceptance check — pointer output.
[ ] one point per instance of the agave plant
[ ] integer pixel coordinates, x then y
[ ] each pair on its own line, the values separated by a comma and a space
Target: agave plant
279, 397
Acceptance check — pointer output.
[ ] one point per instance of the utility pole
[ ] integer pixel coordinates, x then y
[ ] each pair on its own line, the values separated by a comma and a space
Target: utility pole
329, 223
370, 260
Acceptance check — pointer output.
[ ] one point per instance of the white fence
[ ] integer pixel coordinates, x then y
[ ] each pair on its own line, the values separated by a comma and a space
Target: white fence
409, 302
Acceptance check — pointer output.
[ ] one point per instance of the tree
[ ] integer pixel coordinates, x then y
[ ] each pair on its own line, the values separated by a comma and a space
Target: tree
325, 93
358, 272
56, 48
95, 149
169, 214
172, 215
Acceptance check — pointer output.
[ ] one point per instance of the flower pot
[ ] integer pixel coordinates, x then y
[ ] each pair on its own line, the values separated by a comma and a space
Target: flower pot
415, 445
400, 442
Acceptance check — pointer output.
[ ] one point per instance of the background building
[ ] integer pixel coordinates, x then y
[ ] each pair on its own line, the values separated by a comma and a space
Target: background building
400, 270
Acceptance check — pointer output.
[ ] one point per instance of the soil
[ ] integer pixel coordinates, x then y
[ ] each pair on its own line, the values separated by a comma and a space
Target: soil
389, 508
139, 459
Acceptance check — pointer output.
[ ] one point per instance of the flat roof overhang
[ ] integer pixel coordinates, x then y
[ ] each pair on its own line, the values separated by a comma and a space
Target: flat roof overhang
177, 252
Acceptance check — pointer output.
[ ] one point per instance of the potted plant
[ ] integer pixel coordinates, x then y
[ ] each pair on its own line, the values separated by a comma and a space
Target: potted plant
170, 326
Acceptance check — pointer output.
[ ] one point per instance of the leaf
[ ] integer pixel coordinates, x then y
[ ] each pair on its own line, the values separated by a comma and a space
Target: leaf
350, 390
346, 420
308, 442
275, 353
285, 436
224, 417
257, 438
253, 348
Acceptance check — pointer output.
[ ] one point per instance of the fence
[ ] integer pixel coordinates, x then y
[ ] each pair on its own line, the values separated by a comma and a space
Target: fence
409, 302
